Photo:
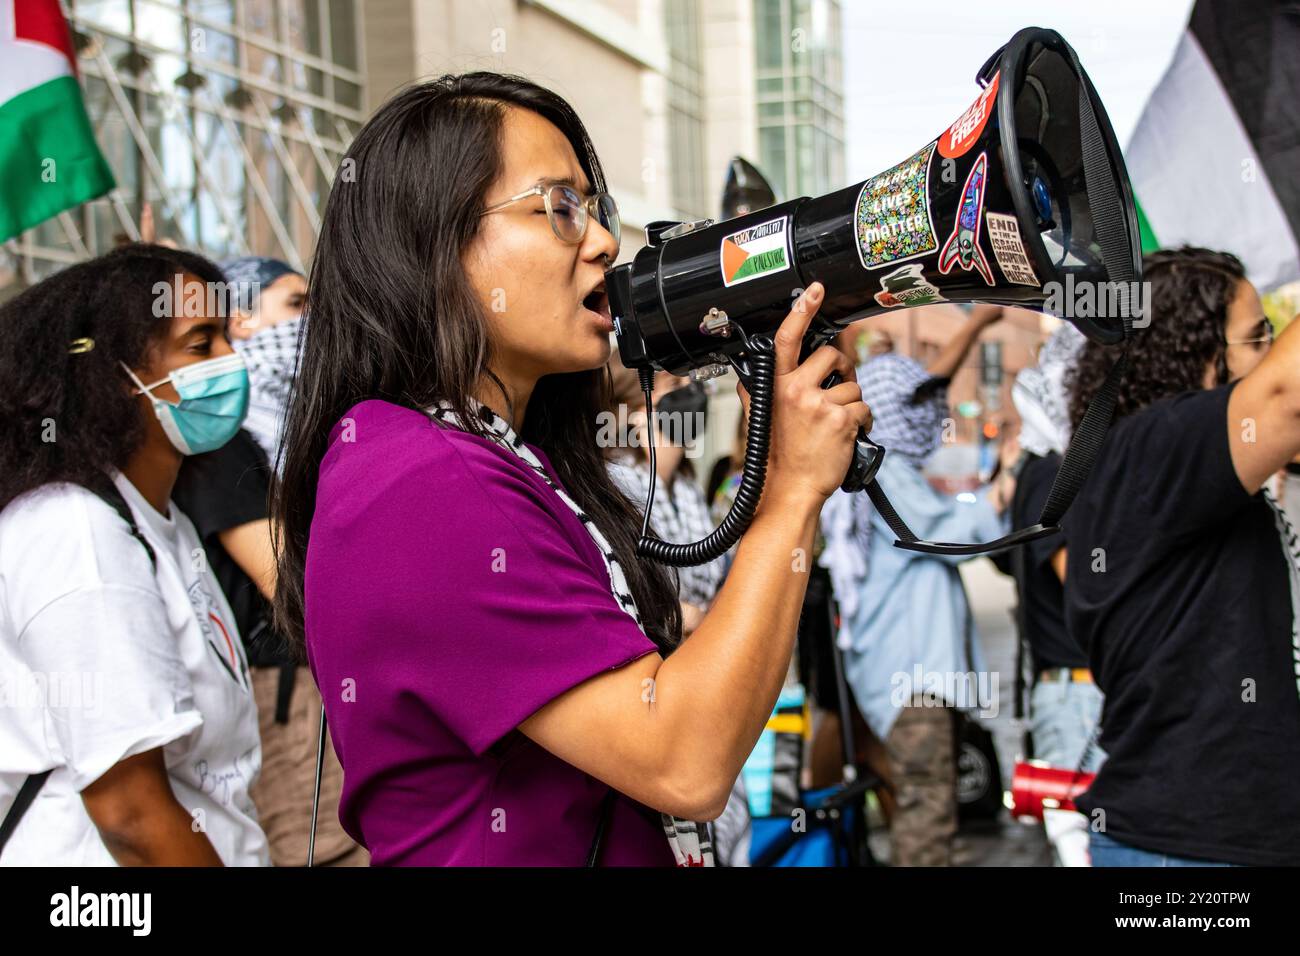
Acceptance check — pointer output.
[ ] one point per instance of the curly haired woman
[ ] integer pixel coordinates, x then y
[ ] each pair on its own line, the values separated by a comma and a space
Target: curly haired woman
147, 756
1182, 580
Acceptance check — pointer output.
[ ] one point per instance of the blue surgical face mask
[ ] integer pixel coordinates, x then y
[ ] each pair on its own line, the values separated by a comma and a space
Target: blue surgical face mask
213, 402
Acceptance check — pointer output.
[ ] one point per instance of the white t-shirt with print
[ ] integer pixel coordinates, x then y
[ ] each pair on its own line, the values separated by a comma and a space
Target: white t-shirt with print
102, 658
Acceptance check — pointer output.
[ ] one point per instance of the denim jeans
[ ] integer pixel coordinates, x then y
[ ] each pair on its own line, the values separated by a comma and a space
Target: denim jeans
1109, 852
1062, 718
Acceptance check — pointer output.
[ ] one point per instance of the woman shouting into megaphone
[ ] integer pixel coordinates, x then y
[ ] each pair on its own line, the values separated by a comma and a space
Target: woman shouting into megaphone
505, 682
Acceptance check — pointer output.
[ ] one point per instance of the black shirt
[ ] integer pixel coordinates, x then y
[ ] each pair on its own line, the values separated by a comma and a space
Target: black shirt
1050, 643
1188, 630
218, 491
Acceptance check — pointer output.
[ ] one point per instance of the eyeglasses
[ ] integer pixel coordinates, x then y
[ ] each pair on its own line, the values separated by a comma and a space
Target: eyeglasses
570, 212
1266, 339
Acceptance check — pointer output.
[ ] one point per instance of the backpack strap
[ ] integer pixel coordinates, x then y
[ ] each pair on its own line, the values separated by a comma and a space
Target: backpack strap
26, 794
107, 492
315, 793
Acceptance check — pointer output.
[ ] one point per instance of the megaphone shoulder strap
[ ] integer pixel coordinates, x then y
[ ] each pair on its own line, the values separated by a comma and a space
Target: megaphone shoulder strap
1077, 464
315, 793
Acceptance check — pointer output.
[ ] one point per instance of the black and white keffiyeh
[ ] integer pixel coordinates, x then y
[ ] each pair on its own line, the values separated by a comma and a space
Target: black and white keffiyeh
1291, 551
1040, 395
911, 428
271, 356
688, 840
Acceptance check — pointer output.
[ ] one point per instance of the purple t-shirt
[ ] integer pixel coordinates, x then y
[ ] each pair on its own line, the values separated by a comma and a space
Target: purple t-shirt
450, 594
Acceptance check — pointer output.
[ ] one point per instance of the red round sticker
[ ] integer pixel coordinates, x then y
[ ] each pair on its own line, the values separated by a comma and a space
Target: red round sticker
961, 135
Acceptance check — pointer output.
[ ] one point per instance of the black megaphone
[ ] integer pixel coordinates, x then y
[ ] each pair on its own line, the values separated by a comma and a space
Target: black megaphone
1024, 195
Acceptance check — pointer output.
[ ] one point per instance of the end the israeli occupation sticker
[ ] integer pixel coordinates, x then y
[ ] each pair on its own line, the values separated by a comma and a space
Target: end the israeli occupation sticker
893, 213
1009, 250
755, 251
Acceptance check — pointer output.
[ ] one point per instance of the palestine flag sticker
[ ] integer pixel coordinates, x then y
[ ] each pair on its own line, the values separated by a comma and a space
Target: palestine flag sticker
756, 251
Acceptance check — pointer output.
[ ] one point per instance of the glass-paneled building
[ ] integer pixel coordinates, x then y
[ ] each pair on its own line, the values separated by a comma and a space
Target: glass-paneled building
686, 117
800, 80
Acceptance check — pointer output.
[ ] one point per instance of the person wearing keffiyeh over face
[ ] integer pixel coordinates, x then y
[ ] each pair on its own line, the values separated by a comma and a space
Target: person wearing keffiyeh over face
265, 331
904, 615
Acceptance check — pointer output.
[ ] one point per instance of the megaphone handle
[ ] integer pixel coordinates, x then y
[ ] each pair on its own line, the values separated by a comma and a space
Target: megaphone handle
867, 455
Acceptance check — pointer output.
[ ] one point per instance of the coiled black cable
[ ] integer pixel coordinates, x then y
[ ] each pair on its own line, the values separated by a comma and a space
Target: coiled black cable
762, 364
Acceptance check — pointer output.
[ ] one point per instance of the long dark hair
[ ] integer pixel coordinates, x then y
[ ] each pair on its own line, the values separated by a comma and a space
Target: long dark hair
1191, 290
69, 415
391, 315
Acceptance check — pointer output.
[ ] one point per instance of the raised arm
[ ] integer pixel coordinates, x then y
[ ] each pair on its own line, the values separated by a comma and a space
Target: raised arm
954, 353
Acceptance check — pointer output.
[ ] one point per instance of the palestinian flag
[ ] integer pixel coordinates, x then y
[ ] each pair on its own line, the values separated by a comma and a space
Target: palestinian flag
1215, 158
49, 160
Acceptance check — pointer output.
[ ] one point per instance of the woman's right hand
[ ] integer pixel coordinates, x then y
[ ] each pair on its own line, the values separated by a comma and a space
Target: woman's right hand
813, 429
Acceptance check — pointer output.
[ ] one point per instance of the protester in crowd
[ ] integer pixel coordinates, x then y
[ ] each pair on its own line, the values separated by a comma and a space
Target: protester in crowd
812, 667
680, 515
265, 331
904, 610
116, 370
504, 678
1065, 704
813, 664
1182, 582
225, 493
